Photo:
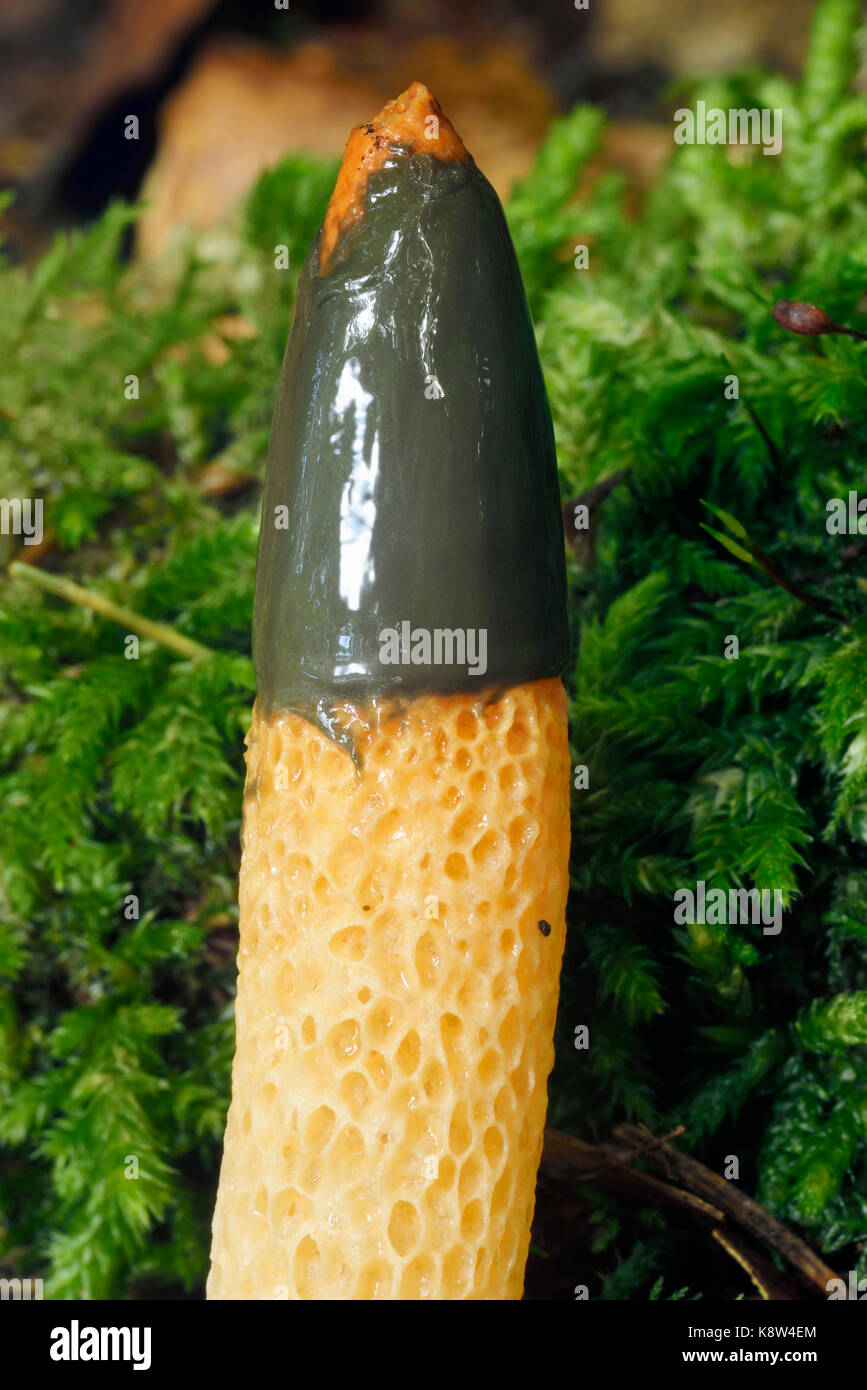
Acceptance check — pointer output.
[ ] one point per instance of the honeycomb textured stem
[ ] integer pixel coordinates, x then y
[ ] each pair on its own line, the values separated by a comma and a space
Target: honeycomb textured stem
401, 934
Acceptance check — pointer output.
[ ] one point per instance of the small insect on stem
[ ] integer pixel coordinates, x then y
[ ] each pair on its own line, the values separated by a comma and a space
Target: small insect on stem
545, 928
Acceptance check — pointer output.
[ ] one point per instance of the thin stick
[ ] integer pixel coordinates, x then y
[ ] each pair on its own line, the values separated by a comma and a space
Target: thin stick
820, 606
124, 617
773, 451
600, 1165
591, 499
607, 1167
741, 1208
771, 1284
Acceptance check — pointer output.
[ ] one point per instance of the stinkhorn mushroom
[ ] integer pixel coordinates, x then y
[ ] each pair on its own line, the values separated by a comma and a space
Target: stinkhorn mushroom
406, 813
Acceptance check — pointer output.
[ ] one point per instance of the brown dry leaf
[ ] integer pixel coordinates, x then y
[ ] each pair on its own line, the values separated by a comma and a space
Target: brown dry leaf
244, 107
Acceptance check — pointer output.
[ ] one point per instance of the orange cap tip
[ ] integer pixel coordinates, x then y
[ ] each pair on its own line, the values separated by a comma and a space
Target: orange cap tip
411, 124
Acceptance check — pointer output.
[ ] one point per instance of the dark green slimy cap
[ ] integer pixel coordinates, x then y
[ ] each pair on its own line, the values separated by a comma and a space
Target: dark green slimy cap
412, 537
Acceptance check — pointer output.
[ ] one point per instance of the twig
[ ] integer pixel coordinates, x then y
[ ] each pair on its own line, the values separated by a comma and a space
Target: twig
820, 606
771, 1284
124, 617
710, 1201
583, 538
746, 550
657, 1146
603, 1166
742, 1209
773, 451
